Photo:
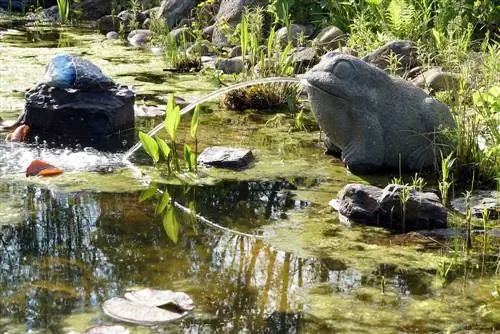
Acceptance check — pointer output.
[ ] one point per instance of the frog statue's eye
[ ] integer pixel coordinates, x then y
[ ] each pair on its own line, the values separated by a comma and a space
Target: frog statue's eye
344, 70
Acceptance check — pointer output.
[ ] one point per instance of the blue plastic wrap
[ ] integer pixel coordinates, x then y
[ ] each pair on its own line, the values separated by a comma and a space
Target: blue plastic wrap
66, 71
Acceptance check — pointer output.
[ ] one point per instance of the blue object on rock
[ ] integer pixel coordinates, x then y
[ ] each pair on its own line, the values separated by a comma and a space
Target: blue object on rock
67, 71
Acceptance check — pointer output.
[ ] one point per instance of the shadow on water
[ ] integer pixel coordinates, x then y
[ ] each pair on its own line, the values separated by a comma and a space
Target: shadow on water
38, 37
69, 252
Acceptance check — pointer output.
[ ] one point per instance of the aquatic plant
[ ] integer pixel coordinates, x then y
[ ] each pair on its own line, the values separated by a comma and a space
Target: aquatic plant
64, 10
445, 181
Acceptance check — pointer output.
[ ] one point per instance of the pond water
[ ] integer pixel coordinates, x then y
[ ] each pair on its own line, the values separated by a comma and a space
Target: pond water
69, 243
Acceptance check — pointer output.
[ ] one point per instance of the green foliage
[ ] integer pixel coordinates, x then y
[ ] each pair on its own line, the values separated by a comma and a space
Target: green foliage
195, 122
172, 118
150, 146
170, 224
163, 203
445, 181
64, 10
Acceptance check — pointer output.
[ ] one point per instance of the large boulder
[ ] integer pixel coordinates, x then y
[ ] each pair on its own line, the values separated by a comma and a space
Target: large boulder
374, 119
395, 207
292, 34
173, 11
230, 13
77, 104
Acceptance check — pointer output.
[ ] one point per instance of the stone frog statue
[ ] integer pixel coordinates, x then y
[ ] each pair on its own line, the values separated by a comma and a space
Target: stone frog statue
375, 120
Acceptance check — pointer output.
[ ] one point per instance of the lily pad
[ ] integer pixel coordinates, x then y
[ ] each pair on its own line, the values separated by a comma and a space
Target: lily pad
158, 298
107, 329
125, 310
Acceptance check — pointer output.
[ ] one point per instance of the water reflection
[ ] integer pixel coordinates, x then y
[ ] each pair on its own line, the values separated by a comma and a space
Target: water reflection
72, 251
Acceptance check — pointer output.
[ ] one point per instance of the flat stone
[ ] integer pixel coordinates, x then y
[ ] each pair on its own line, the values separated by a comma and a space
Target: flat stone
226, 157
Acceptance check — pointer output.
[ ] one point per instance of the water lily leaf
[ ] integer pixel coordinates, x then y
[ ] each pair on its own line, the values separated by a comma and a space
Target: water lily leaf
170, 224
172, 118
148, 193
165, 199
164, 148
125, 310
150, 146
107, 329
195, 121
158, 298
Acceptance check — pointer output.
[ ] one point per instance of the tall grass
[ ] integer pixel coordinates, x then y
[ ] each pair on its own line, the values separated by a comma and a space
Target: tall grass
64, 10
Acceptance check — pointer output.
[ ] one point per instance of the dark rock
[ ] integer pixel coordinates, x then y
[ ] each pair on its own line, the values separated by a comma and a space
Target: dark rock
127, 16
173, 11
225, 157
101, 119
235, 52
93, 9
479, 200
108, 23
437, 80
374, 206
13, 5
230, 12
405, 51
208, 32
375, 119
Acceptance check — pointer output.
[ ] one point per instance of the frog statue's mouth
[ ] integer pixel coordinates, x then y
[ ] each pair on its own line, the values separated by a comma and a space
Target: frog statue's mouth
310, 85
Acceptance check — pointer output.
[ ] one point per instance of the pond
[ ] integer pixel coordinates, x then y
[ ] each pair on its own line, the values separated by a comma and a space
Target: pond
69, 243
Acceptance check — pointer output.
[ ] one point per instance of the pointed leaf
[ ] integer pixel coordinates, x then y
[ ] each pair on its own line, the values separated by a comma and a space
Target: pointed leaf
195, 121
187, 157
164, 148
165, 199
148, 193
172, 118
170, 224
150, 146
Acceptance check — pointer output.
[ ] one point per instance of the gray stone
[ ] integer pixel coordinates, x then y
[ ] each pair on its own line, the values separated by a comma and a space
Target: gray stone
437, 80
139, 37
374, 119
198, 49
226, 157
479, 200
127, 16
296, 30
304, 58
231, 65
405, 51
230, 12
330, 38
112, 35
173, 11
370, 205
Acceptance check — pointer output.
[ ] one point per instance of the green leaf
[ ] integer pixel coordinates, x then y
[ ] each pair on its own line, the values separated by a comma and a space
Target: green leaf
150, 146
374, 2
148, 193
170, 224
172, 118
164, 148
187, 157
165, 199
195, 121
